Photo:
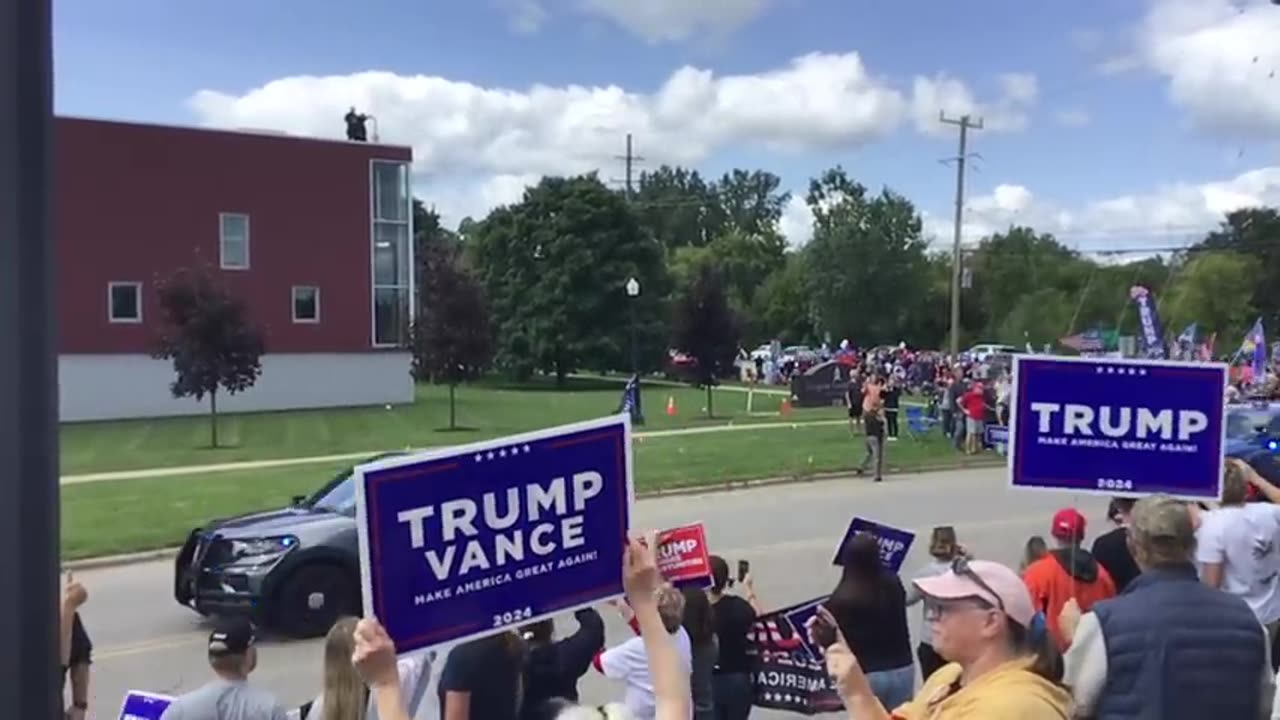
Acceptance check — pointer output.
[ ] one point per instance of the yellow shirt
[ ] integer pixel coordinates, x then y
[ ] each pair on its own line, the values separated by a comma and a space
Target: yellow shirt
1008, 692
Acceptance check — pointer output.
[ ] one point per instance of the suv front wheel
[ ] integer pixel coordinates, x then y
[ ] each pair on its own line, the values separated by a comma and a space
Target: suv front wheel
312, 598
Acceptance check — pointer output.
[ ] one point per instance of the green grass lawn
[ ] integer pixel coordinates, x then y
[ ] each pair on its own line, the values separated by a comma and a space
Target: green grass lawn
490, 409
118, 516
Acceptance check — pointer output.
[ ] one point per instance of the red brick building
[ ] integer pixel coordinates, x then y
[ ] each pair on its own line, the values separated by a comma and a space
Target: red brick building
315, 235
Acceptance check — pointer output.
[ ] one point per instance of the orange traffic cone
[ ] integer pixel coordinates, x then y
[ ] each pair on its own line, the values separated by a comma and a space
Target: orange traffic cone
786, 407
671, 405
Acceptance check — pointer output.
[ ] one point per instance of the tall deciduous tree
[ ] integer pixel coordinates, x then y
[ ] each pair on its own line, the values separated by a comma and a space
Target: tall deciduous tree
556, 266
453, 333
866, 263
1214, 290
1255, 233
208, 335
706, 328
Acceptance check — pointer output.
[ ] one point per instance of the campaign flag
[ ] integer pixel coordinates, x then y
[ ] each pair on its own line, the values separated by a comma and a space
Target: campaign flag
894, 543
631, 401
466, 541
799, 617
140, 705
683, 558
1149, 318
1109, 426
1255, 347
786, 676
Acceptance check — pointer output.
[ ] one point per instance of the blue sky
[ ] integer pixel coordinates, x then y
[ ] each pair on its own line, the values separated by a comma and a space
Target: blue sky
1120, 114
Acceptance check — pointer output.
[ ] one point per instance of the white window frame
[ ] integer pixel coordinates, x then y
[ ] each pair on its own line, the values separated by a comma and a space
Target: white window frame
374, 220
293, 303
222, 240
111, 316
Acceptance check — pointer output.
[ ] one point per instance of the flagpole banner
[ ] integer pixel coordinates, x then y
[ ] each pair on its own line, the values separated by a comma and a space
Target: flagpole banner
894, 543
786, 676
1111, 426
1149, 318
683, 558
466, 541
139, 705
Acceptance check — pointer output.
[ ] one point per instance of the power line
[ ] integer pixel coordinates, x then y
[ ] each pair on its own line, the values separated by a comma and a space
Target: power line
965, 122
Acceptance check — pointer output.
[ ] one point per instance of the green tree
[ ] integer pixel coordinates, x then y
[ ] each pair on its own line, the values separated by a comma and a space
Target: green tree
866, 263
555, 266
705, 327
1255, 233
1010, 266
1214, 289
750, 203
783, 306
678, 207
452, 335
207, 333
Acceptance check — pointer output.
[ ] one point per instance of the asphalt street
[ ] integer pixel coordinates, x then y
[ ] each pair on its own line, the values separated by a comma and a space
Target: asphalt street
144, 640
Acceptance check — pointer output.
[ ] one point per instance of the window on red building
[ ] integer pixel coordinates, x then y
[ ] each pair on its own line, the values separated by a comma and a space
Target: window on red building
233, 241
306, 304
392, 253
124, 302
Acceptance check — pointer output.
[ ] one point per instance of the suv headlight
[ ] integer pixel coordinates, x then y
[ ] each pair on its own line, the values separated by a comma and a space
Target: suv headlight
256, 551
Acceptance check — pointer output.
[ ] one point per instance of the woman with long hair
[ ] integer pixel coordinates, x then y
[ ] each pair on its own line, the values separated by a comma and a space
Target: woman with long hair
554, 665
698, 622
870, 606
345, 695
484, 679
732, 617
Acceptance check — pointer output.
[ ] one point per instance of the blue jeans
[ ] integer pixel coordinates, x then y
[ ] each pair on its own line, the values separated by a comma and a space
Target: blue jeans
893, 687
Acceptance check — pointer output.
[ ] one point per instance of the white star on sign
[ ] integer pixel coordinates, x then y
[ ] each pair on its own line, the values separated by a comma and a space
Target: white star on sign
1099, 370
490, 455
478, 458
502, 452
526, 449
1142, 371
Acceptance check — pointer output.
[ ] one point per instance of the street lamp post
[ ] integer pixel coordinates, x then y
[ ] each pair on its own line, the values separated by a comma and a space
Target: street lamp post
633, 293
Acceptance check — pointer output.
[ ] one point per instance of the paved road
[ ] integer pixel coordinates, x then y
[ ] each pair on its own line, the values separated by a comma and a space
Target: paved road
145, 641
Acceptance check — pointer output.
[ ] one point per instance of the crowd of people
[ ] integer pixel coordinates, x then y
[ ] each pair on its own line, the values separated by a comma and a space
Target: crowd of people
1172, 613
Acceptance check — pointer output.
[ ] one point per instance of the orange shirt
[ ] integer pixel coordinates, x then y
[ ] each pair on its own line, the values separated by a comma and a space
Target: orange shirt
871, 397
1051, 586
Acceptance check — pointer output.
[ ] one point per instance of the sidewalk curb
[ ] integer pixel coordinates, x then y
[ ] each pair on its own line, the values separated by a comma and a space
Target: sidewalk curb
112, 561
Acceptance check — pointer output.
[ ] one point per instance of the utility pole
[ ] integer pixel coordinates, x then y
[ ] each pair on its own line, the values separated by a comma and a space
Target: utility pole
630, 159
965, 123
29, 675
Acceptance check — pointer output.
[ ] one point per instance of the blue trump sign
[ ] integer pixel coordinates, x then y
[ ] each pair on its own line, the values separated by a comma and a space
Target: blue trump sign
466, 541
996, 434
799, 617
1109, 426
894, 543
144, 705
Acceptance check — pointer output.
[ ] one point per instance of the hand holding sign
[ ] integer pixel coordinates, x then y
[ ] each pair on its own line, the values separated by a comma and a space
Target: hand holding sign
640, 576
374, 657
842, 664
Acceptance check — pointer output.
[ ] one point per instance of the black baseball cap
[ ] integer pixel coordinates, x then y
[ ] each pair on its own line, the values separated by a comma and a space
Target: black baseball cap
231, 636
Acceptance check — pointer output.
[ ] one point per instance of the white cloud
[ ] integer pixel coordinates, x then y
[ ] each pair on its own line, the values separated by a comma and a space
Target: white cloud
1168, 216
526, 17
797, 222
1220, 58
949, 95
1073, 118
660, 21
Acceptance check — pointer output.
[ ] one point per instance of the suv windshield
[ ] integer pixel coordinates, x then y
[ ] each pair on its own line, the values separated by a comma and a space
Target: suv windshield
338, 496
1243, 424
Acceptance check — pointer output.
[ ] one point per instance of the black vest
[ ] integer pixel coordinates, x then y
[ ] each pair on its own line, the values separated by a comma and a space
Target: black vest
1178, 649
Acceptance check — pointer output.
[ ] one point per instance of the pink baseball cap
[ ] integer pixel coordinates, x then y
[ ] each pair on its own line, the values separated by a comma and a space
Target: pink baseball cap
986, 580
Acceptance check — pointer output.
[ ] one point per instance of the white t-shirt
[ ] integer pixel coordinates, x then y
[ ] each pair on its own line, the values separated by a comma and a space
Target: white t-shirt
1245, 540
629, 663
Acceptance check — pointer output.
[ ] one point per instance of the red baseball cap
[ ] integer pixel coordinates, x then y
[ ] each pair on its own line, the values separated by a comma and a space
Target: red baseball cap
1068, 524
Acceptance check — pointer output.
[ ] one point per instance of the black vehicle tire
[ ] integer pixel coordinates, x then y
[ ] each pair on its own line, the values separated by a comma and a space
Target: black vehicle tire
291, 607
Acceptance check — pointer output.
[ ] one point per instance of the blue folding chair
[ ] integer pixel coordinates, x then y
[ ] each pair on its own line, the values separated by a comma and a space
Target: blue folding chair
919, 422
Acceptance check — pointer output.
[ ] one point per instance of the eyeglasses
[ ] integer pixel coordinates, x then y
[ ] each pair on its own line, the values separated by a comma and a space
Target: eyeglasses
960, 566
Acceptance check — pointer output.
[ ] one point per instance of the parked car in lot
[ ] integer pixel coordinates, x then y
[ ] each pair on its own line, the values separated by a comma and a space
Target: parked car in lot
294, 569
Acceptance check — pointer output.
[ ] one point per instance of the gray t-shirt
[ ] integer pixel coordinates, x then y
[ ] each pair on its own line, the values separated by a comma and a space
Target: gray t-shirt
226, 700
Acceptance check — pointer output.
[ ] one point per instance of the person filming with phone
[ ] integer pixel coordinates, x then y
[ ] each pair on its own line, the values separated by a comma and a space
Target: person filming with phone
733, 617
1003, 665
